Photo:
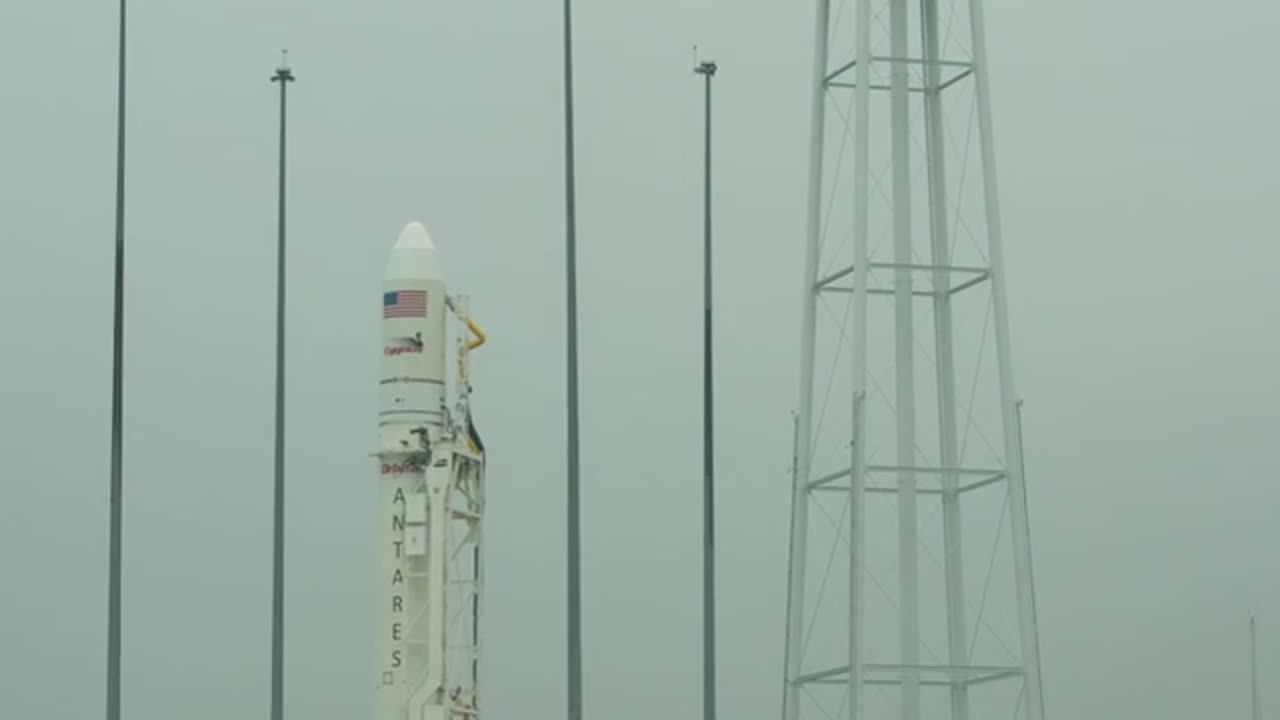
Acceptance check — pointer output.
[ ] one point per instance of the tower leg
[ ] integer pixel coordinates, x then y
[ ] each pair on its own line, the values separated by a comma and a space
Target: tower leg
904, 373
1028, 629
944, 346
804, 419
858, 444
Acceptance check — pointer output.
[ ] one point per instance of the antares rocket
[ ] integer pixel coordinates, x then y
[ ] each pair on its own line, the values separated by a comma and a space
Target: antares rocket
430, 496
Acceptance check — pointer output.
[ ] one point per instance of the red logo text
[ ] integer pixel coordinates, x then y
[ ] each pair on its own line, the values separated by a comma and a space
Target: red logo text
399, 468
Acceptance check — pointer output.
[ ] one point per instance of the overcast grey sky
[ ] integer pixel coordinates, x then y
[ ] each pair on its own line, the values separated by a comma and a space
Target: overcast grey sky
1137, 157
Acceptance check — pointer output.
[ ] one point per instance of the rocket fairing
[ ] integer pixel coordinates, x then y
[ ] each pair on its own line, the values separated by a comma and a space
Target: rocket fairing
430, 498
413, 336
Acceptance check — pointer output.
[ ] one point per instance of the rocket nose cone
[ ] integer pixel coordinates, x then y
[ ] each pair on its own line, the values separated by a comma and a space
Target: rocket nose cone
415, 236
414, 255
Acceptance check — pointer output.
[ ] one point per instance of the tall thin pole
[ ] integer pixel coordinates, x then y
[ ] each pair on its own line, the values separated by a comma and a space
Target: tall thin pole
117, 412
1253, 651
786, 643
708, 70
571, 310
284, 76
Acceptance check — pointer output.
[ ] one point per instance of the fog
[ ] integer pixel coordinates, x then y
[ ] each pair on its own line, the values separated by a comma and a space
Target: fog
1137, 167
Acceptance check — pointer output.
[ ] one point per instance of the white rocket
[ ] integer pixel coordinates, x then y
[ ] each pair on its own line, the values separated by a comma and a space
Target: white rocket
430, 497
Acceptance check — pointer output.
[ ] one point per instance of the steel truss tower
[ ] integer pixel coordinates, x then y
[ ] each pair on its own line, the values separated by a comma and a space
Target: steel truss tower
910, 573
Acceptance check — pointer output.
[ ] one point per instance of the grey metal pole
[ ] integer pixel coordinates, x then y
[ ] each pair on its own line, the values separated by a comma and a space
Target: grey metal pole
571, 283
708, 70
1253, 668
284, 76
117, 412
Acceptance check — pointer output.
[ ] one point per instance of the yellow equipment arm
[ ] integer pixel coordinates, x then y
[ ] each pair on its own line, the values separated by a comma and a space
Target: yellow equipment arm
479, 338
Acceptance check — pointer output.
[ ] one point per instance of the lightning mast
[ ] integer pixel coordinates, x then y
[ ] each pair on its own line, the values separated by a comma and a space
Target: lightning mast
908, 419
284, 76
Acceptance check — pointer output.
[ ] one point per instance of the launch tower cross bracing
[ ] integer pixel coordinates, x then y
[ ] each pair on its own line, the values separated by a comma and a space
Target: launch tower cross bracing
910, 583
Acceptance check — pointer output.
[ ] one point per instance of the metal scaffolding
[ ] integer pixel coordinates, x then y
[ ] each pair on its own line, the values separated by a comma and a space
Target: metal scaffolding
907, 412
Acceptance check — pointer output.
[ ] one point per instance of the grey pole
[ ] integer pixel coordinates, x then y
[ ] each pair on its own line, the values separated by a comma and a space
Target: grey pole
1253, 668
117, 413
708, 70
571, 282
284, 76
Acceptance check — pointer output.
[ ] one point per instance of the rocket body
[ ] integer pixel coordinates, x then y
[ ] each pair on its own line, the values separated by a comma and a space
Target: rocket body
411, 416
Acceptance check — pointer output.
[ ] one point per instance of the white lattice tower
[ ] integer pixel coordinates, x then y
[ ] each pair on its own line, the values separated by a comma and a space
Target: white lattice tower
910, 574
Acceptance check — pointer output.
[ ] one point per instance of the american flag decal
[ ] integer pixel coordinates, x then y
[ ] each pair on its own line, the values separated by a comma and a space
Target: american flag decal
404, 303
